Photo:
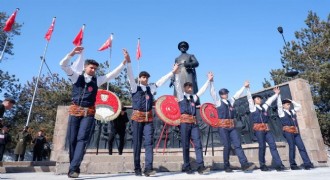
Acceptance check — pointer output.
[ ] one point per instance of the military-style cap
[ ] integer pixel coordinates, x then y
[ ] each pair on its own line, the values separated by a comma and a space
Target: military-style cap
223, 91
144, 73
286, 101
255, 96
91, 61
187, 84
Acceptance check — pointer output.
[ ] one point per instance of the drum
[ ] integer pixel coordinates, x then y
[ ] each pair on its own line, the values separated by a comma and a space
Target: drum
168, 110
209, 114
107, 105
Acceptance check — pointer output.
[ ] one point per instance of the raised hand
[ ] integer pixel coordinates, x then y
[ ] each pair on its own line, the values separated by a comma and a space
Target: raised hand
276, 90
127, 58
210, 76
76, 50
175, 68
247, 84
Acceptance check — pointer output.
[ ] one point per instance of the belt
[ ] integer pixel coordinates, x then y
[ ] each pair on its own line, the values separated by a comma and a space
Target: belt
225, 123
187, 118
260, 127
141, 116
75, 110
291, 129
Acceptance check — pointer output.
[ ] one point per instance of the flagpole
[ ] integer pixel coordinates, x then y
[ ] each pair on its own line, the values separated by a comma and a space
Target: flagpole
110, 53
36, 86
139, 61
4, 48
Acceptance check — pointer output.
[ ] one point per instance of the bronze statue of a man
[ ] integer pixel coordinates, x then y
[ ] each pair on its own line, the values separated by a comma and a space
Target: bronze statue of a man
188, 63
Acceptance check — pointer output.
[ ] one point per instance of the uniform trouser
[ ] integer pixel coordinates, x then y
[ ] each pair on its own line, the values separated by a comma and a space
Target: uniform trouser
19, 156
263, 137
112, 136
79, 133
37, 154
191, 131
141, 129
2, 150
293, 141
230, 136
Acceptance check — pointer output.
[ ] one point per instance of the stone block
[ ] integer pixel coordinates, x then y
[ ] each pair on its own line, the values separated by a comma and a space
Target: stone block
62, 168
169, 167
128, 166
100, 168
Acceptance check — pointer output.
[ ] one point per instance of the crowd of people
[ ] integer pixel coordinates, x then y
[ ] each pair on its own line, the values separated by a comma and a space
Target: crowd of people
40, 147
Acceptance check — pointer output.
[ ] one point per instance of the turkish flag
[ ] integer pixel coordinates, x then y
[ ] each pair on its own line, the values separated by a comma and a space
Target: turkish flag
138, 50
78, 39
107, 44
10, 22
50, 30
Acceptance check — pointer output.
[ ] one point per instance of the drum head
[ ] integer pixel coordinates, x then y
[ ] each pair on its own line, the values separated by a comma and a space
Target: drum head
168, 110
107, 105
209, 114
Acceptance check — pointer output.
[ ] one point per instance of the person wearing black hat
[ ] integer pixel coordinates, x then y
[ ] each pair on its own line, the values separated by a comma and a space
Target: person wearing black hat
6, 104
291, 132
118, 126
81, 112
39, 141
227, 130
189, 128
142, 116
259, 118
187, 69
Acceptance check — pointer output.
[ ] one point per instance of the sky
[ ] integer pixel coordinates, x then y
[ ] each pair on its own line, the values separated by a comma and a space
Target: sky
236, 40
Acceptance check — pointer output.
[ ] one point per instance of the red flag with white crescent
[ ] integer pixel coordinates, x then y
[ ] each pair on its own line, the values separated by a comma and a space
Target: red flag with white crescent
138, 50
10, 22
107, 44
79, 38
50, 30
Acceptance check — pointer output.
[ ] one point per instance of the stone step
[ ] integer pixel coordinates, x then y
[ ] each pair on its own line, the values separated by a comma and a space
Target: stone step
170, 160
27, 166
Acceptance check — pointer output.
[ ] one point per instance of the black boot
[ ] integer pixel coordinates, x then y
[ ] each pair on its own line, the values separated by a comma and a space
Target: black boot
264, 168
248, 166
203, 170
188, 170
148, 172
280, 168
228, 170
138, 172
295, 167
72, 174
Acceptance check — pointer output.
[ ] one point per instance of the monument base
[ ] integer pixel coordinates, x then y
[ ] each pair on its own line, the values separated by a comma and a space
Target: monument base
170, 160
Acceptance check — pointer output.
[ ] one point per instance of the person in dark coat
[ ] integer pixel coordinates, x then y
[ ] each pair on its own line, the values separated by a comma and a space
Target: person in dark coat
118, 126
5, 138
23, 138
38, 147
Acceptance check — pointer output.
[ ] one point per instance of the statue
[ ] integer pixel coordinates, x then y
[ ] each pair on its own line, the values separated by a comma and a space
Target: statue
187, 64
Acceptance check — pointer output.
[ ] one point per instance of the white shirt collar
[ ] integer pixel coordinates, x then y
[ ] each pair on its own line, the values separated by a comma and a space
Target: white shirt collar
187, 95
258, 106
88, 78
289, 112
225, 101
143, 87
